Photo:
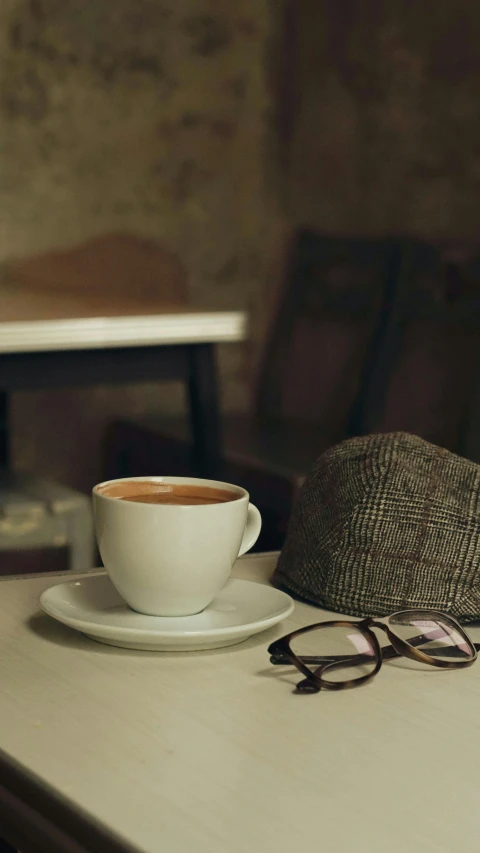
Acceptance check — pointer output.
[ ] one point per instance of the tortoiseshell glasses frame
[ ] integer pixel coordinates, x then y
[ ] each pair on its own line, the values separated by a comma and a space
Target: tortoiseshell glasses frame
281, 652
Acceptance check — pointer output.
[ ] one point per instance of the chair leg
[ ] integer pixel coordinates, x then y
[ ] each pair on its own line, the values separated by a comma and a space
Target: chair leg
469, 437
382, 357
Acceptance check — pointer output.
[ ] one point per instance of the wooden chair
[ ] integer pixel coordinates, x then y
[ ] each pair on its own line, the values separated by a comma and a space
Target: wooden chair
425, 373
331, 313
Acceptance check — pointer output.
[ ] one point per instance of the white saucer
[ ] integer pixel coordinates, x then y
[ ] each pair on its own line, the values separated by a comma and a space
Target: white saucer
94, 607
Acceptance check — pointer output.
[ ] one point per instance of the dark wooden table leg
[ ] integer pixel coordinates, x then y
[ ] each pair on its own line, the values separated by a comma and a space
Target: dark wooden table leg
4, 431
204, 410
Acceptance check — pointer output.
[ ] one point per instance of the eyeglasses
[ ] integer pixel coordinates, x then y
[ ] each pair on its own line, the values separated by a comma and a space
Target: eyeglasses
342, 654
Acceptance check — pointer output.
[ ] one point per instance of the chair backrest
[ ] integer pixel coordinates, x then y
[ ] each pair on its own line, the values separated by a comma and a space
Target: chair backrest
333, 291
120, 265
427, 352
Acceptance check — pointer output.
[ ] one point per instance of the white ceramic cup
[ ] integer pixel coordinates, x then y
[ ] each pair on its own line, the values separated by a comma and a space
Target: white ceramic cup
172, 559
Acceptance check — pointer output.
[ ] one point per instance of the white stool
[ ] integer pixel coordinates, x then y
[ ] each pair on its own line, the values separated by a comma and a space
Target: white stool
36, 514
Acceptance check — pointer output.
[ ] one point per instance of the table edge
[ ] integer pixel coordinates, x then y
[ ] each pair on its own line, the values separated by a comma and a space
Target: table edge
100, 570
32, 812
131, 331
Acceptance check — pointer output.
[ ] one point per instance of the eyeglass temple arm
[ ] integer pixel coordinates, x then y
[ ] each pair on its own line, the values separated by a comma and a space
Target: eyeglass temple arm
388, 652
352, 660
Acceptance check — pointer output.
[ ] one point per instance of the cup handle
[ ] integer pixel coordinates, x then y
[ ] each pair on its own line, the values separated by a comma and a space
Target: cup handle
252, 529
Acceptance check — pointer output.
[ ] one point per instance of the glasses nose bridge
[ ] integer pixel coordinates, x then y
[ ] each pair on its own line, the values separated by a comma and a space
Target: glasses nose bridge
371, 622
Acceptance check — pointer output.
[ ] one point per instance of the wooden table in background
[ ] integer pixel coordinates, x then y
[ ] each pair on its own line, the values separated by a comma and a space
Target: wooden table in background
54, 340
113, 751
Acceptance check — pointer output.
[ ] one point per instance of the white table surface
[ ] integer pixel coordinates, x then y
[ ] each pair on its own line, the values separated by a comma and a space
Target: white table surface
212, 752
36, 321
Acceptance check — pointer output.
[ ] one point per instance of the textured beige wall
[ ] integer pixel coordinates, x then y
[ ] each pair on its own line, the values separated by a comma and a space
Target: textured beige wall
156, 116
387, 123
152, 116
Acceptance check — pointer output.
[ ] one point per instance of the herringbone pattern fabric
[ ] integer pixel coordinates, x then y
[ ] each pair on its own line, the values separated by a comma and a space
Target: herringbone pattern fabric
385, 523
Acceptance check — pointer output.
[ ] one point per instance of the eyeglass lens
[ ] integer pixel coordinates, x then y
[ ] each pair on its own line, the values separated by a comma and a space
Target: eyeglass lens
343, 653
436, 635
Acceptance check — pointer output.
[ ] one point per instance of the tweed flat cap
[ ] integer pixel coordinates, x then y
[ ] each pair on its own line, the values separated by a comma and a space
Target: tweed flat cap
386, 523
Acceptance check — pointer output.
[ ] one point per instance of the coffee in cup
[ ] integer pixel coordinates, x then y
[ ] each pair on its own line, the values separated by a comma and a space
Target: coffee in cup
182, 494
169, 543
